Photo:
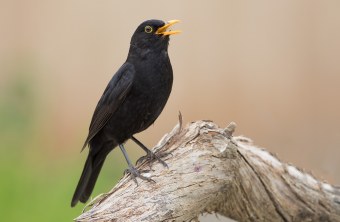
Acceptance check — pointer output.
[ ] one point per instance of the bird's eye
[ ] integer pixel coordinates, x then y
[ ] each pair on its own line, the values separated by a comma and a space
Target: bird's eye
148, 29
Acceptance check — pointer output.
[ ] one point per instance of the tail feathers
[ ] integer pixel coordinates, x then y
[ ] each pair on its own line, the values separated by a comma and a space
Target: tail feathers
91, 182
84, 178
87, 179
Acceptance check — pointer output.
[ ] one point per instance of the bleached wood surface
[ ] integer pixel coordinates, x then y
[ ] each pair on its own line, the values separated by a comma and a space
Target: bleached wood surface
212, 171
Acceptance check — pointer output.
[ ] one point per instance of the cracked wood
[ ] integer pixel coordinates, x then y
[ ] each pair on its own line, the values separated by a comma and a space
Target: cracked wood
210, 171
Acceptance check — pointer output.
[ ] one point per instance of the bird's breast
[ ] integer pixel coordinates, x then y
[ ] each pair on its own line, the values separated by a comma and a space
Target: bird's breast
146, 99
152, 88
154, 74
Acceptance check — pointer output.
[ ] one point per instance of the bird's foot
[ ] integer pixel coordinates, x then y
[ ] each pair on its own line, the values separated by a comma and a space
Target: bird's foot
150, 156
136, 173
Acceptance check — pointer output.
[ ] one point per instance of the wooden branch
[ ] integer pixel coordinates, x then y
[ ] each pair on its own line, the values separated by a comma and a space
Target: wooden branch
211, 171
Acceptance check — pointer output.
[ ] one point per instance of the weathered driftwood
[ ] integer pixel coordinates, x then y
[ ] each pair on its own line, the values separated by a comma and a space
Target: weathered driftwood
211, 171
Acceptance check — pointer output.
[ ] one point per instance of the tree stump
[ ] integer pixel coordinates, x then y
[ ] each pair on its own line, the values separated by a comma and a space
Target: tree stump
212, 171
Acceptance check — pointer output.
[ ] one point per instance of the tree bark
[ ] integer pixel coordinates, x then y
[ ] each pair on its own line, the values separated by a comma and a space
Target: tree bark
212, 171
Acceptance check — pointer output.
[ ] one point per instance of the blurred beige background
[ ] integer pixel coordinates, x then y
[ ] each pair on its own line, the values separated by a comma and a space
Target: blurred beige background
271, 66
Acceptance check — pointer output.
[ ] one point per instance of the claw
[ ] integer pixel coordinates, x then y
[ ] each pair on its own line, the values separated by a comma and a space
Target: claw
150, 156
136, 173
132, 170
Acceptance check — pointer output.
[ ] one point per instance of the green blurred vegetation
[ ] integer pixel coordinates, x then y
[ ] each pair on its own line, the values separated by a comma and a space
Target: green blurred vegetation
37, 182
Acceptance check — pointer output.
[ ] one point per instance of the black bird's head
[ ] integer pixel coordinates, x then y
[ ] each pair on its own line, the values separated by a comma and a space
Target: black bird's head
153, 34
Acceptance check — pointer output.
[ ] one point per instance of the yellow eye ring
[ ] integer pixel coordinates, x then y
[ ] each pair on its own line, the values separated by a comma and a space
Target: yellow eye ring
148, 29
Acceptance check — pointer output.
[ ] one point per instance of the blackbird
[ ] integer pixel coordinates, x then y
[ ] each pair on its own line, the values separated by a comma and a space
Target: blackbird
131, 102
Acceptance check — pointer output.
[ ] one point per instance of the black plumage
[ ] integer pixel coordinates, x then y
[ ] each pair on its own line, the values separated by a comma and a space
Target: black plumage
132, 101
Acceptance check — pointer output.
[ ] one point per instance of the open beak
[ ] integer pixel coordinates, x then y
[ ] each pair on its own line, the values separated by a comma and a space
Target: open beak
163, 30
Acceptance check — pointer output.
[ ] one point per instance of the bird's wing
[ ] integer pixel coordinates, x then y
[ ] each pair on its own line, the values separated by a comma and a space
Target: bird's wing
113, 96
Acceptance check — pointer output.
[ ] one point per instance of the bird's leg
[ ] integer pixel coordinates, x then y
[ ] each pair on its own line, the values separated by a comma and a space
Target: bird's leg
149, 154
132, 170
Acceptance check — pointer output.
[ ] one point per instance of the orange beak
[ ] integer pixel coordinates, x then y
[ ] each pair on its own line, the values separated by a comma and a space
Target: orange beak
163, 30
